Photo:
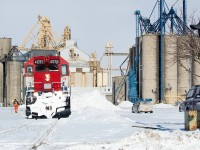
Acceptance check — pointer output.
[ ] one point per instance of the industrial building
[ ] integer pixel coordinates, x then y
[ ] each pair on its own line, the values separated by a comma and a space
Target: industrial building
85, 69
175, 78
10, 72
153, 71
86, 74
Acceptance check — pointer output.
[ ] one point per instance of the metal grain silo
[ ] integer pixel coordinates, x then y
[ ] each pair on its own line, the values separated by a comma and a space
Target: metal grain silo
5, 46
149, 64
102, 79
78, 79
88, 79
170, 68
1, 84
13, 81
99, 79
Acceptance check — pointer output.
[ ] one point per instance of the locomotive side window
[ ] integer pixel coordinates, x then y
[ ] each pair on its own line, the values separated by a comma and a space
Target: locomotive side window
29, 69
64, 69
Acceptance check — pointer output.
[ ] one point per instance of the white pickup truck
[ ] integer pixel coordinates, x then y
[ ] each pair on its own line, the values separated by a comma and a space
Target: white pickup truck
142, 106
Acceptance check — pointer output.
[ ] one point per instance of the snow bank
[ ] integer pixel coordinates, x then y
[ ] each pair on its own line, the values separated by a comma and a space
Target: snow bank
91, 100
93, 118
142, 140
128, 104
91, 106
161, 140
161, 105
125, 104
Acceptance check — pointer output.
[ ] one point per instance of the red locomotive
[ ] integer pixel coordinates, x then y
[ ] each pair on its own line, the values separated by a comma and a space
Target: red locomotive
47, 87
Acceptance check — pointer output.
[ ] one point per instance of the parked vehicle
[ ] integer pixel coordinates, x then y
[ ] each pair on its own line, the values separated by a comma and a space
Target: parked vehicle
181, 107
192, 101
142, 106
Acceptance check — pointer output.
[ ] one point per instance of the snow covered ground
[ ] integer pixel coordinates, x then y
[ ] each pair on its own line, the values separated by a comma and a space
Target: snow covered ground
95, 124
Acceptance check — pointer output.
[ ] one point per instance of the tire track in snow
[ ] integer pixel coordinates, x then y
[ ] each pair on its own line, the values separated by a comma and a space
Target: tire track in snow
15, 128
40, 140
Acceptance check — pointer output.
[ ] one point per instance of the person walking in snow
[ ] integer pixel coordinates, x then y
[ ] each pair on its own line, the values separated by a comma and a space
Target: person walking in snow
16, 105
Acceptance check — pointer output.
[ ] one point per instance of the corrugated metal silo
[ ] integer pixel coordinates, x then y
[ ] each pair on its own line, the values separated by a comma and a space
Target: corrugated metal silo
78, 79
5, 46
1, 83
105, 79
102, 78
149, 61
99, 79
13, 81
170, 68
88, 79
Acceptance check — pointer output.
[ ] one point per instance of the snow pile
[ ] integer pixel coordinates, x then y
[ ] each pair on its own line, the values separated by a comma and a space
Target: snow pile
92, 100
90, 106
161, 105
142, 140
93, 118
125, 104
161, 140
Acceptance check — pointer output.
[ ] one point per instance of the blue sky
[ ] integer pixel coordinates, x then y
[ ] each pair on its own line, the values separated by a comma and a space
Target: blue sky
93, 22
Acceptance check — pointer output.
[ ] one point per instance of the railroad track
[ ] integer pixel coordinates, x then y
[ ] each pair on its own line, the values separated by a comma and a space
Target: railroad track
15, 128
42, 138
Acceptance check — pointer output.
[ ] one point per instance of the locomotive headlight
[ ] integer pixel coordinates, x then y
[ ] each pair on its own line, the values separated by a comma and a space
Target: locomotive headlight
47, 77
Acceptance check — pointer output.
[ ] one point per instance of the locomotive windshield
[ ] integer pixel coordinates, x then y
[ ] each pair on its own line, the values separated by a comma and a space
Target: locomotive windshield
50, 67
40, 68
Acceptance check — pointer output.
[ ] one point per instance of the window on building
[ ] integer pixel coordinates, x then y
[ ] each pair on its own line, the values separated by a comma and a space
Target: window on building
79, 70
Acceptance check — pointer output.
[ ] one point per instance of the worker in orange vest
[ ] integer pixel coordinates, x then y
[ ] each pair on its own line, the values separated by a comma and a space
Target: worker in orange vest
16, 105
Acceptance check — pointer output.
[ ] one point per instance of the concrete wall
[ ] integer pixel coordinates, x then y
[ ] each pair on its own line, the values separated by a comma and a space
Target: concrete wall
1, 83
176, 79
183, 76
149, 65
196, 71
119, 90
170, 67
5, 46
